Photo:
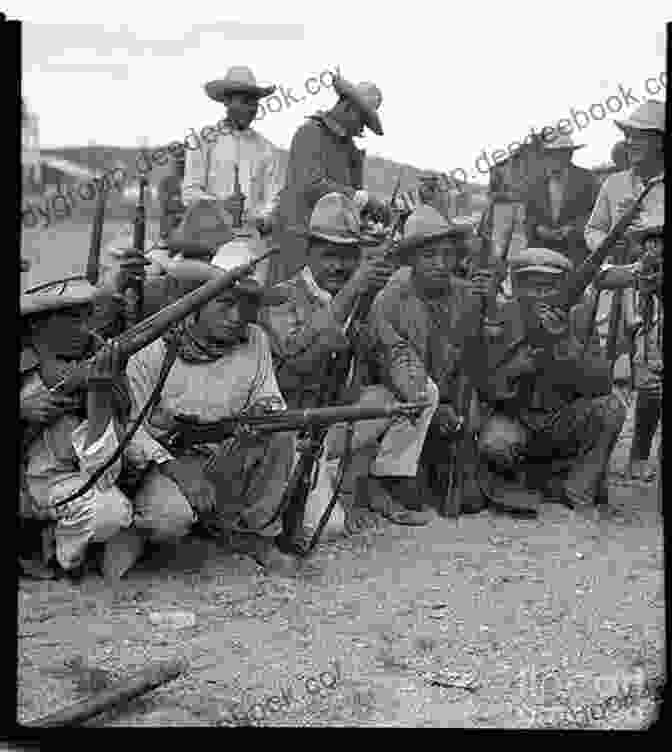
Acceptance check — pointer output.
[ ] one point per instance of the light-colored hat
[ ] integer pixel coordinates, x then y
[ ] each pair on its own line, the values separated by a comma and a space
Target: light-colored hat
336, 218
649, 116
426, 225
58, 296
192, 273
366, 96
542, 260
562, 142
238, 79
204, 228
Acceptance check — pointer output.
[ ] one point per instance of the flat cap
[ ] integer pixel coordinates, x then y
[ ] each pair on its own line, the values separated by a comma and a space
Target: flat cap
540, 260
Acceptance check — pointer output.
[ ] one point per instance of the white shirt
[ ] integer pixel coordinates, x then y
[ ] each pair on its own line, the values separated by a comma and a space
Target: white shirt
209, 171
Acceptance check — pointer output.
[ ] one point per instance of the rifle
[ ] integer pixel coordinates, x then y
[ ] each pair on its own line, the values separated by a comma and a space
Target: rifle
237, 191
140, 335
93, 263
299, 485
463, 454
133, 291
569, 294
191, 432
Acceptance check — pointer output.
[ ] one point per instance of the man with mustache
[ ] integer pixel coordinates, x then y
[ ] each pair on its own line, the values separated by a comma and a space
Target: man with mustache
308, 339
323, 159
209, 170
219, 365
68, 438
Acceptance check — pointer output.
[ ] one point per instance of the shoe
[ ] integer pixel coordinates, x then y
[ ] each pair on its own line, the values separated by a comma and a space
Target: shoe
265, 551
385, 496
120, 553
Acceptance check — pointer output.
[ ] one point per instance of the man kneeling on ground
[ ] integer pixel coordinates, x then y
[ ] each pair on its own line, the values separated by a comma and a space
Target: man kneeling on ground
308, 336
222, 367
555, 415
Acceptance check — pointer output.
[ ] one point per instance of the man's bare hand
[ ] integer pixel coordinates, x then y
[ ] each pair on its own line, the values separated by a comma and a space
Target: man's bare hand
553, 319
483, 281
234, 204
45, 407
374, 270
107, 367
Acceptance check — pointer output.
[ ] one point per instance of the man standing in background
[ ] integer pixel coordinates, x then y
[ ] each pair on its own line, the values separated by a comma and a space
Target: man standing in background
558, 205
209, 170
323, 159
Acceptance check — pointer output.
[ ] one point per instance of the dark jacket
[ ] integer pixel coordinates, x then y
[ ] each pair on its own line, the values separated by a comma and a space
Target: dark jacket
580, 196
569, 375
322, 159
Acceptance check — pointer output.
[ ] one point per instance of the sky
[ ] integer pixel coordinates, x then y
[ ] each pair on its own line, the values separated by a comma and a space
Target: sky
456, 79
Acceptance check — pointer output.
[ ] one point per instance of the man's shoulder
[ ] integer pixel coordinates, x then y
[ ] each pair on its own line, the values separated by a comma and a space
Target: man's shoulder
584, 176
263, 143
616, 182
28, 360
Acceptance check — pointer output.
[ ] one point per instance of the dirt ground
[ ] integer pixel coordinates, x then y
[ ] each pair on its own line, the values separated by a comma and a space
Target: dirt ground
489, 622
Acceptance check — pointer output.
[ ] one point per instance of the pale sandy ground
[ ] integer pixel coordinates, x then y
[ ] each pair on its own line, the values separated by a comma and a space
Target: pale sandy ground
490, 599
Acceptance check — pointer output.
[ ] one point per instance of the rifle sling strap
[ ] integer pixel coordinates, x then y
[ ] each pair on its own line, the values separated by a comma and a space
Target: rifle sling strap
171, 355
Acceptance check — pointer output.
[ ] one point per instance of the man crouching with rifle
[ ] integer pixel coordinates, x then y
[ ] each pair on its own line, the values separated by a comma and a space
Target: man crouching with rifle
217, 364
311, 339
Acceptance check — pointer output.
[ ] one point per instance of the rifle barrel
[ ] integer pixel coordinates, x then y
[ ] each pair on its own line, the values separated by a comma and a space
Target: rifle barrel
140, 335
287, 420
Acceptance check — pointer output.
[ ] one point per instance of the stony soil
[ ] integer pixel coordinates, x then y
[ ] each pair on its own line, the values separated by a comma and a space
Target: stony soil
489, 623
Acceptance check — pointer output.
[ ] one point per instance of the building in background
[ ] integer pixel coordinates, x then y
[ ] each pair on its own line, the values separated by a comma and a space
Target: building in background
31, 166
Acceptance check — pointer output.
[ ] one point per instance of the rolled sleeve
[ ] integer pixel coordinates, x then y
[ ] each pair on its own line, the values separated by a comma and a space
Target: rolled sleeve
600, 220
401, 364
93, 457
143, 372
194, 185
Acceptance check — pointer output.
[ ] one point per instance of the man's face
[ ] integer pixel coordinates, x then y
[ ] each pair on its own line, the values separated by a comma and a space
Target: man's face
557, 162
537, 285
241, 109
222, 320
435, 265
65, 332
332, 264
643, 146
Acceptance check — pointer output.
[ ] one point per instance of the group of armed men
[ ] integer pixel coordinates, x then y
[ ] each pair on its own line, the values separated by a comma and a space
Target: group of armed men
347, 314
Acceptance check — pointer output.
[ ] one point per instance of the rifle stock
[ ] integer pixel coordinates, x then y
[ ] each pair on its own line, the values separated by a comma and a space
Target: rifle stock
140, 335
189, 433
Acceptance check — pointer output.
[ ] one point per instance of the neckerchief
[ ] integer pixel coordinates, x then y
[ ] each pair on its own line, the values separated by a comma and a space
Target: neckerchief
194, 349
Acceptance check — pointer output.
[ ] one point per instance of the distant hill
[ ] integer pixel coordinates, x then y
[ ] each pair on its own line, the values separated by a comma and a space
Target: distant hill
380, 174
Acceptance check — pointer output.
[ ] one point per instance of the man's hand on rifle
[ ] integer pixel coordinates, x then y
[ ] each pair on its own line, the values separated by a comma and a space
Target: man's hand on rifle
233, 204
198, 490
483, 281
553, 319
373, 271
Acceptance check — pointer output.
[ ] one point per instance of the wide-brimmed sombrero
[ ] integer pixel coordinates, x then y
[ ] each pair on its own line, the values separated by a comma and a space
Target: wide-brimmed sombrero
366, 96
238, 79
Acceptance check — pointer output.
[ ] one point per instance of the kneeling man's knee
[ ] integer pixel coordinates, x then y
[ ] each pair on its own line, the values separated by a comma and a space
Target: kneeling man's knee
161, 509
501, 441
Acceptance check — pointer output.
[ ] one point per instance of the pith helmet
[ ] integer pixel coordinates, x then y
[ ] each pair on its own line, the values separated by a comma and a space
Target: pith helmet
542, 260
336, 218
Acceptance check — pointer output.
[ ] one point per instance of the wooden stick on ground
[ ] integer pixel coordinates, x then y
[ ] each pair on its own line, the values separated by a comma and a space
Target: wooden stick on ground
144, 681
